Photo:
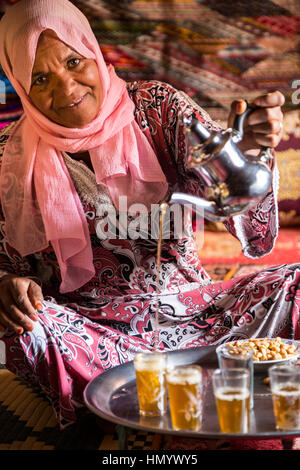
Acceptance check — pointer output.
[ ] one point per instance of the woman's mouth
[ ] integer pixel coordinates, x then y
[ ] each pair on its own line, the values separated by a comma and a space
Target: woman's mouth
75, 103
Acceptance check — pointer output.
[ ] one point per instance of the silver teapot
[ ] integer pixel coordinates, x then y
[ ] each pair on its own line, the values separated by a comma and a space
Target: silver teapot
231, 181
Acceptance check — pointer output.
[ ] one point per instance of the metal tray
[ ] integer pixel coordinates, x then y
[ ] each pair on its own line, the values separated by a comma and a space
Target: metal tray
113, 396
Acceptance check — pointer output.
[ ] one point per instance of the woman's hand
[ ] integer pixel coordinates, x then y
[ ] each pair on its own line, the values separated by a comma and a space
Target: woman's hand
263, 127
20, 298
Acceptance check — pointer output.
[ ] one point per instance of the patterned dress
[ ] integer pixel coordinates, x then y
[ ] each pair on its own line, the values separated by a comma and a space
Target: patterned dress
112, 317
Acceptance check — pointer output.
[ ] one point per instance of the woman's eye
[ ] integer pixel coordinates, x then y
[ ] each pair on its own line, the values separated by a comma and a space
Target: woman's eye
40, 80
73, 62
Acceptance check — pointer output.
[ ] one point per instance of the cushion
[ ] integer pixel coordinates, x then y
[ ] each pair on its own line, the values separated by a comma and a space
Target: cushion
288, 160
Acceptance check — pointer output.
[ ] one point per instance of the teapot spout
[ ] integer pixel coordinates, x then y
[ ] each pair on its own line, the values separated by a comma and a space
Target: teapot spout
207, 209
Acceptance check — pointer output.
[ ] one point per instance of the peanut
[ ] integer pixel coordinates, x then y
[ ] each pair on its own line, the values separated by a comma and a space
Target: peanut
264, 349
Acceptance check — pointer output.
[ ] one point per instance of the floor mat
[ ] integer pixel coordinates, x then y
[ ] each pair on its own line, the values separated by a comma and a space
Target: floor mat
222, 248
27, 422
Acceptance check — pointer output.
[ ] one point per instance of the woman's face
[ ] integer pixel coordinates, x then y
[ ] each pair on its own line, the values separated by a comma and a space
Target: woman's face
65, 86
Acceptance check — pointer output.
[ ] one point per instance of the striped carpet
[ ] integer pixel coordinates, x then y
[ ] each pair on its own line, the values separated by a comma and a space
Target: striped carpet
27, 422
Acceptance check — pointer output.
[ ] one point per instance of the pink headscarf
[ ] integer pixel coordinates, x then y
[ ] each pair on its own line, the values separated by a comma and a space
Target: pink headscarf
38, 197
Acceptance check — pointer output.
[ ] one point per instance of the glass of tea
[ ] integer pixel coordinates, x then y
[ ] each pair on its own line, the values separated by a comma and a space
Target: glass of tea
285, 388
232, 394
184, 385
237, 357
150, 370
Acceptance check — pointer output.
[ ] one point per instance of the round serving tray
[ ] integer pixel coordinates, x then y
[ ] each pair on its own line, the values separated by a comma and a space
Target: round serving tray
112, 395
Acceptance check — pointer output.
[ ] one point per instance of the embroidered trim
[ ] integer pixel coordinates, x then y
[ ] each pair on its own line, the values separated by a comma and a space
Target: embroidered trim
209, 122
85, 183
276, 178
7, 130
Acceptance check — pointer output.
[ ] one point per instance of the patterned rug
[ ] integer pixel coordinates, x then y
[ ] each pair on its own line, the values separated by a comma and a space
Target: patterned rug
27, 422
215, 51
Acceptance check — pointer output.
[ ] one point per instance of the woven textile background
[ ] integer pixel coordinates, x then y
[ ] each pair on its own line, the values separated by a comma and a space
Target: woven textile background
215, 50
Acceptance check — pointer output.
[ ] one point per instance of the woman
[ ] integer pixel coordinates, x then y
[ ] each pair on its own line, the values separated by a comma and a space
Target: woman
75, 300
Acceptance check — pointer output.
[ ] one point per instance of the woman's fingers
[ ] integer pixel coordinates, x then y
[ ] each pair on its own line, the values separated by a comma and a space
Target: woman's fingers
265, 116
273, 127
35, 296
265, 140
272, 99
237, 107
10, 324
16, 310
264, 126
22, 303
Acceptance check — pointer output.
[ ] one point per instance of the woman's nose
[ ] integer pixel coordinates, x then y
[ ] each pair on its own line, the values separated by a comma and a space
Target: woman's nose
64, 85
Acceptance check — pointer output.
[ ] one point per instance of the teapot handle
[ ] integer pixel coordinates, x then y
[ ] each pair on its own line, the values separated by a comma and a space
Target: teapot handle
238, 125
